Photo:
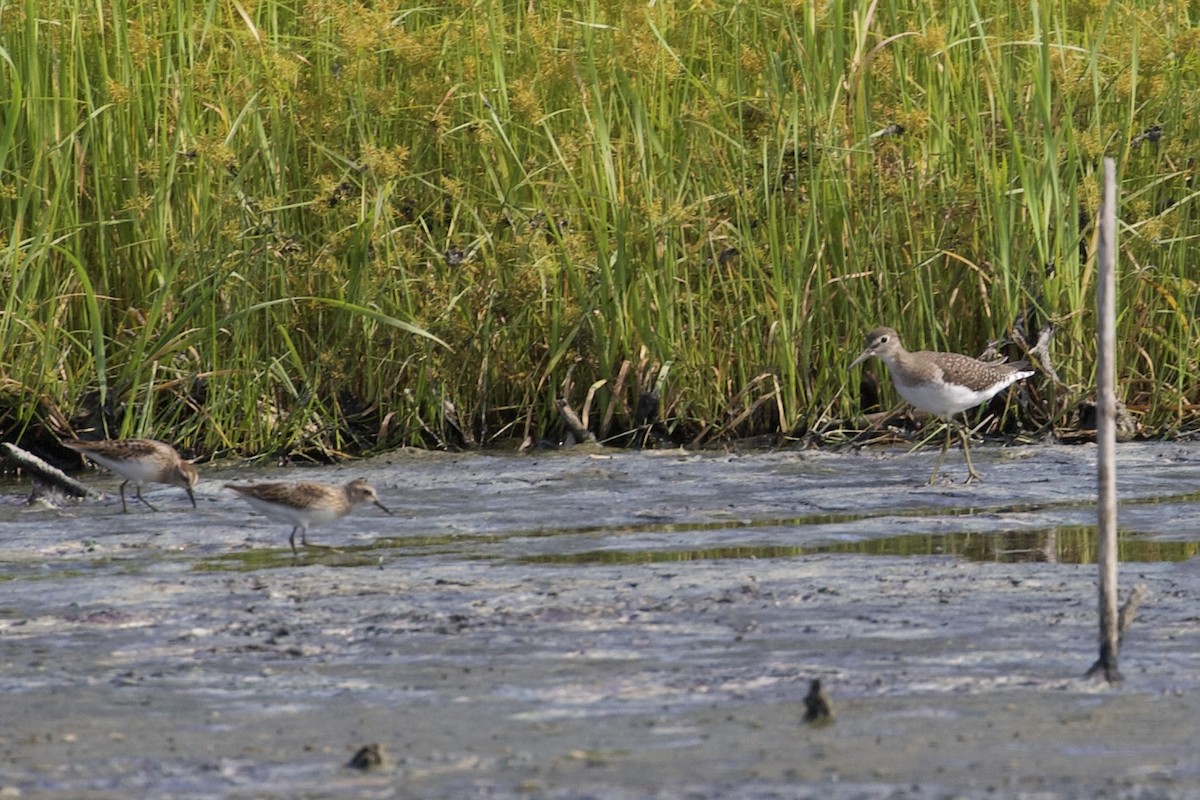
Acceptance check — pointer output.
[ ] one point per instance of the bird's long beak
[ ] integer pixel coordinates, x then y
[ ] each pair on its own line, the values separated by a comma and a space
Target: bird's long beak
191, 496
381, 505
863, 356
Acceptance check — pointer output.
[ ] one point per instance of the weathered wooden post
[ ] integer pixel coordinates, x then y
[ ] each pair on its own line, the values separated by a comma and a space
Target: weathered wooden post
1106, 433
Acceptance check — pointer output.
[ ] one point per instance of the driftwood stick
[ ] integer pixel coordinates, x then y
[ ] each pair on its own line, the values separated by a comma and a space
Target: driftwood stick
574, 424
1124, 621
39, 470
1129, 611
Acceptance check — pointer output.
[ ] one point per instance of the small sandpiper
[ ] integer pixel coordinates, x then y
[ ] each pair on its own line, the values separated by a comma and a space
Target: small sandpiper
941, 383
140, 461
305, 504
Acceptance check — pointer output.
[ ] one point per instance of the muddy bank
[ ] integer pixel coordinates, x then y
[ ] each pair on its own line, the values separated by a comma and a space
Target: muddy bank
609, 625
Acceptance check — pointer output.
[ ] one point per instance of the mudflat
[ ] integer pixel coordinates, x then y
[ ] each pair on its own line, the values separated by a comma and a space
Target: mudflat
609, 624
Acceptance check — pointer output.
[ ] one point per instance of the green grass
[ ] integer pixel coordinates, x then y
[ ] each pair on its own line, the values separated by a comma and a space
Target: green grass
261, 225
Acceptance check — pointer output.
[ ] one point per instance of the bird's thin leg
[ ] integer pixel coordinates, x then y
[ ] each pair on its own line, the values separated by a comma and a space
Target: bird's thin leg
124, 510
292, 540
144, 500
941, 456
972, 475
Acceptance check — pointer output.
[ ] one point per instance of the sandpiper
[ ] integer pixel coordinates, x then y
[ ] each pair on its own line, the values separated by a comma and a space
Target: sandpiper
140, 461
941, 383
305, 504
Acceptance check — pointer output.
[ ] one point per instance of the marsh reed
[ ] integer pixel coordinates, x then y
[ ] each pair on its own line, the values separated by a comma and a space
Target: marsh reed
263, 226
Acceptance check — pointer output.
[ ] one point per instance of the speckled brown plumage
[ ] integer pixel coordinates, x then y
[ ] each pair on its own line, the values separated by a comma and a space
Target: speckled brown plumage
140, 461
305, 504
941, 383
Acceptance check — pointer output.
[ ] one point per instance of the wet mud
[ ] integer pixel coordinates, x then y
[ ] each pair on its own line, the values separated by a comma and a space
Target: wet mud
610, 625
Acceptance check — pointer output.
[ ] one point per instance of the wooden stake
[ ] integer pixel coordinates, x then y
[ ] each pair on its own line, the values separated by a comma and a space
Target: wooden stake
1106, 412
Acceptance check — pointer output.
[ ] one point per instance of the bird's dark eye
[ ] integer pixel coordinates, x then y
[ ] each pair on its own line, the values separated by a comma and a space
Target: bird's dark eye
883, 339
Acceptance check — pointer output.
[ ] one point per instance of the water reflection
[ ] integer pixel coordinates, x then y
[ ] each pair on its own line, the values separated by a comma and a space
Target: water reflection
1065, 545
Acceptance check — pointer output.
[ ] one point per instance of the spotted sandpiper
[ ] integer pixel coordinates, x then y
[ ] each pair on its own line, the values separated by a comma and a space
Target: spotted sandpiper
941, 383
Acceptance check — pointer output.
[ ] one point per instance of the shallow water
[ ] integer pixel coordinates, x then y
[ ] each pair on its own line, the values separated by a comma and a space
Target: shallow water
609, 624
